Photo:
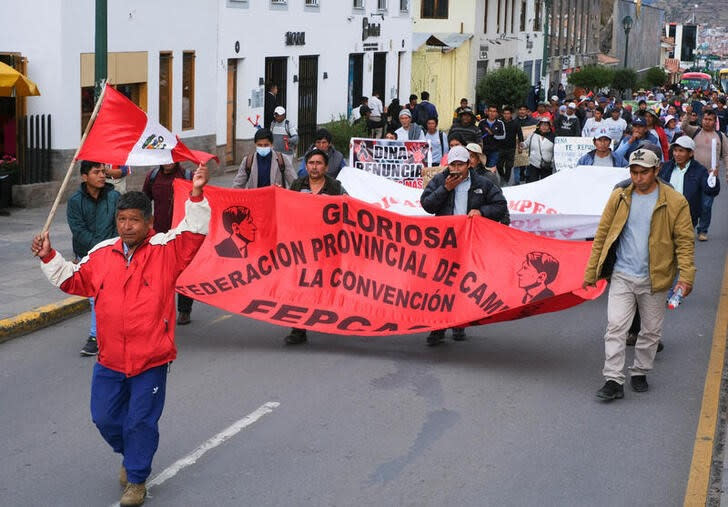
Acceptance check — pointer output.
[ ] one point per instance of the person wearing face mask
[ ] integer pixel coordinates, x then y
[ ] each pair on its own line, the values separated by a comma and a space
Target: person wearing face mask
264, 167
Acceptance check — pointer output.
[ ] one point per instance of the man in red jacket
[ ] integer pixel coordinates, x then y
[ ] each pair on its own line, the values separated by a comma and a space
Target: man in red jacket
136, 341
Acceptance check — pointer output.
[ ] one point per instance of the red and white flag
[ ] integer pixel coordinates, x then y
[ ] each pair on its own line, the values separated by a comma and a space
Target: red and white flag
123, 134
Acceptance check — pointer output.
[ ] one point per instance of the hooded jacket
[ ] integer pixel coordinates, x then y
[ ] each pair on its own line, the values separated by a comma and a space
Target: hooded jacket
91, 220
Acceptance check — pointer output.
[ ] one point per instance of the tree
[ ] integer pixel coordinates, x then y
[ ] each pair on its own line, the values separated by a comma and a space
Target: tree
655, 76
592, 77
506, 86
624, 79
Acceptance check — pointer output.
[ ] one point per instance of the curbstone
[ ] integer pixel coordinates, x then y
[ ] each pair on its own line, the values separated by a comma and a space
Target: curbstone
41, 317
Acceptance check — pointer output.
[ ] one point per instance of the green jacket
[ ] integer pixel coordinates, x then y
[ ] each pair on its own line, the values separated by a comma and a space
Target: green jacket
91, 220
671, 241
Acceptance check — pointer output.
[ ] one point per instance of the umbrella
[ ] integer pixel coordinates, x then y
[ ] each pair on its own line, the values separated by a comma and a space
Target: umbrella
14, 84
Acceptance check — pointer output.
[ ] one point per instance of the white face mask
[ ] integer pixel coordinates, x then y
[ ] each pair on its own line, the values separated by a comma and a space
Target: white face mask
263, 151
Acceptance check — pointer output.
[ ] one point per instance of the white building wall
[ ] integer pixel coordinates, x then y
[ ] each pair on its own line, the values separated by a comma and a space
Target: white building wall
333, 31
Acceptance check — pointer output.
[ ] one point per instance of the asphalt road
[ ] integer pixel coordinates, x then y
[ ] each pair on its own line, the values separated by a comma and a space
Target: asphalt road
507, 418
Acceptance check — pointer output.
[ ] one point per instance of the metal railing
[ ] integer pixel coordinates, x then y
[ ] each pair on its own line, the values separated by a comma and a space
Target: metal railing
35, 148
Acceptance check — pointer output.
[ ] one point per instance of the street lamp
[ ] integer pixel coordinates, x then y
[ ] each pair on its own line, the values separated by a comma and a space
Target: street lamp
627, 24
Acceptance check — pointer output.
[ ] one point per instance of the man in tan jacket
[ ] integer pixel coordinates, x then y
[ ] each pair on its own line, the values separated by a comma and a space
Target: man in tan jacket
645, 238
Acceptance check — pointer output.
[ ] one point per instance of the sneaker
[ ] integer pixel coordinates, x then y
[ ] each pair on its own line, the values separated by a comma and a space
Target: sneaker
183, 318
134, 495
458, 334
436, 337
639, 383
91, 348
296, 337
122, 477
611, 390
660, 346
631, 339
703, 236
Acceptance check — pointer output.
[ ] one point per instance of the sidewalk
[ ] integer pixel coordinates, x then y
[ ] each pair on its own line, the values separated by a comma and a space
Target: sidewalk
29, 301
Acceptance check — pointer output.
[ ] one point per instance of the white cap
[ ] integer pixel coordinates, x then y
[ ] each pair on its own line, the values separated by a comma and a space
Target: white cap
544, 119
685, 142
571, 105
475, 148
280, 110
669, 118
555, 98
458, 154
602, 132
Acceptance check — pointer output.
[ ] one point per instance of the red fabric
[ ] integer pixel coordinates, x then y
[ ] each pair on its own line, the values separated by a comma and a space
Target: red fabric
664, 142
117, 129
276, 266
49, 257
135, 305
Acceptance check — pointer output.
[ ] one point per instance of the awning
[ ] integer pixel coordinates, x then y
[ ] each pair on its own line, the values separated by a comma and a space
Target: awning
14, 84
445, 40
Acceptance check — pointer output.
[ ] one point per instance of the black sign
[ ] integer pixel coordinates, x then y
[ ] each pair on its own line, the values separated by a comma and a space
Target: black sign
370, 29
295, 38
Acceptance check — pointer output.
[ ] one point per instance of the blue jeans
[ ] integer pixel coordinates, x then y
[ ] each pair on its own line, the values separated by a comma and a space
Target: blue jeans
519, 174
706, 211
492, 158
92, 330
126, 410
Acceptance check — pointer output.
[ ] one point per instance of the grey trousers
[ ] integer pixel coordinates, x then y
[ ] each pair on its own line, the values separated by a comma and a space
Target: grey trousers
626, 294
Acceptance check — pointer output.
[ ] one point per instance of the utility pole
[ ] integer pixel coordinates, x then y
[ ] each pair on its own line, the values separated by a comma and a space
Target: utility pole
101, 47
545, 60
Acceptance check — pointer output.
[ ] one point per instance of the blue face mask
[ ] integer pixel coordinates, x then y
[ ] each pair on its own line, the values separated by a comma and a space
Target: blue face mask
263, 151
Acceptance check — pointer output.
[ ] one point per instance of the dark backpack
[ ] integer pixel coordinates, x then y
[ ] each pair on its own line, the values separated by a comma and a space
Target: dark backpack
279, 159
155, 171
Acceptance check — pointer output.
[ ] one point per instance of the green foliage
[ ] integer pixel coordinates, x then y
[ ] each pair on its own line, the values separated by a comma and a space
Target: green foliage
592, 77
342, 131
655, 76
624, 79
506, 86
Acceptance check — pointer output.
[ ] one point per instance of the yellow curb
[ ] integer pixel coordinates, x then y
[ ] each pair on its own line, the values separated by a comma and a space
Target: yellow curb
40, 317
696, 492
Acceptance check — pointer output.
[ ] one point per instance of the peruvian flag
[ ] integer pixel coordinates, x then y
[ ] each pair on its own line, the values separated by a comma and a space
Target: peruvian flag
123, 134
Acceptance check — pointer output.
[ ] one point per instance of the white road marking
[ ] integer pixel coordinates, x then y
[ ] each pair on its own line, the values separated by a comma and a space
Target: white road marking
213, 442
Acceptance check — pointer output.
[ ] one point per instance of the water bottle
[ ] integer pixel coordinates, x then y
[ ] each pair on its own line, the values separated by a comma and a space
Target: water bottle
676, 299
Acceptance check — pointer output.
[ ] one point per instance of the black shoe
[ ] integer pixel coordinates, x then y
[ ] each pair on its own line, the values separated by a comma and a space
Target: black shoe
639, 383
183, 318
91, 348
631, 339
611, 390
436, 337
458, 334
296, 337
660, 346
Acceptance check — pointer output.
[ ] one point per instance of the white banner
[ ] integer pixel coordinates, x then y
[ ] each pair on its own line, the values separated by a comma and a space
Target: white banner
566, 205
568, 151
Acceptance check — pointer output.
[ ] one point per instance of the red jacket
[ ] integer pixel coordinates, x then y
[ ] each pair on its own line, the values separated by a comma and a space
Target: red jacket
135, 308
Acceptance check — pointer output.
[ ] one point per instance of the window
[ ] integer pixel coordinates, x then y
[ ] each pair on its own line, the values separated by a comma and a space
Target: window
434, 9
188, 90
485, 16
537, 16
522, 24
498, 18
165, 90
279, 2
403, 5
381, 5
513, 15
358, 4
312, 3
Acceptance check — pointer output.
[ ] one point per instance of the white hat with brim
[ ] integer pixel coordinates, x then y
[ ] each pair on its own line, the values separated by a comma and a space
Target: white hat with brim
475, 148
684, 142
280, 110
458, 154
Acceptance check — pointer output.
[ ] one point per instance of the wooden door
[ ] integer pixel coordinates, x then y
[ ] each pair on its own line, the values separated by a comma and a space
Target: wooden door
232, 106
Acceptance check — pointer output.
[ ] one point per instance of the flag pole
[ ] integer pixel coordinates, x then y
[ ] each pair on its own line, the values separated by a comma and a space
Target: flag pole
67, 178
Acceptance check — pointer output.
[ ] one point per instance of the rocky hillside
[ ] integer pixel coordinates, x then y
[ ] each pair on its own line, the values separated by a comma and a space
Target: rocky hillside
708, 13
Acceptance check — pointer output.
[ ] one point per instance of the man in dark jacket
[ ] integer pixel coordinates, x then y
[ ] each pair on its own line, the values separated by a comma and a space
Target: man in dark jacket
322, 141
514, 136
568, 125
466, 127
316, 181
493, 133
271, 101
90, 213
689, 177
460, 191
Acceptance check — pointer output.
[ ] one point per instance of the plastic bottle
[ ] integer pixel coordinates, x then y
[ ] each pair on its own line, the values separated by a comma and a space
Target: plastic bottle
676, 299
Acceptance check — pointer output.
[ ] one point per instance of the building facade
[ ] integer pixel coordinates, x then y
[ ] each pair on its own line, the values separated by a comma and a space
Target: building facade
200, 68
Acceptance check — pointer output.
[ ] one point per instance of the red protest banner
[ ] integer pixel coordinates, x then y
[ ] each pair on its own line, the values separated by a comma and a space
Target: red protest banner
340, 265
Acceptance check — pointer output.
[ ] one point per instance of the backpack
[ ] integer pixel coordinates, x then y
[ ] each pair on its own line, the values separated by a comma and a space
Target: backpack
155, 171
279, 159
